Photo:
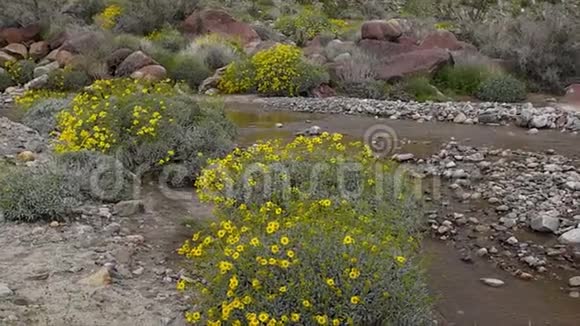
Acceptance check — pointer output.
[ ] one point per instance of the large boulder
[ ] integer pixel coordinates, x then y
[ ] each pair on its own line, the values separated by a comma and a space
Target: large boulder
411, 63
385, 49
16, 50
58, 40
116, 58
134, 62
25, 34
150, 73
381, 30
64, 58
38, 50
82, 42
208, 21
444, 40
572, 94
5, 57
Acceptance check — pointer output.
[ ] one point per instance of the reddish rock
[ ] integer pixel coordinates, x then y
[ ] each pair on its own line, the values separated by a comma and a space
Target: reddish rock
82, 42
408, 40
572, 94
16, 50
5, 57
150, 73
116, 58
38, 50
385, 49
323, 91
381, 30
444, 40
411, 63
25, 34
58, 40
134, 62
64, 58
208, 21
313, 47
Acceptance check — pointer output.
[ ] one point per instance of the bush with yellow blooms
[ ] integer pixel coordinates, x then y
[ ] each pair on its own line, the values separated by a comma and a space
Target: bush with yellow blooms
144, 124
307, 234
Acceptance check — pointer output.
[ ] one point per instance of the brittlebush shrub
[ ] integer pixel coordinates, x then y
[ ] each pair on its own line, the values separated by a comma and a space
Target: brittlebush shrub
5, 80
502, 88
300, 241
145, 125
21, 71
307, 24
421, 89
278, 71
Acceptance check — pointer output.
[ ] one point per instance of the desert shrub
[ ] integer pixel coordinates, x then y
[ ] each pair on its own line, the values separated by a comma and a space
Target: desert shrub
461, 79
502, 88
360, 67
292, 248
97, 177
421, 89
5, 80
107, 19
33, 96
68, 80
309, 23
268, 33
216, 51
142, 17
29, 195
21, 71
188, 68
42, 115
168, 38
145, 124
129, 41
543, 48
24, 12
238, 78
373, 89
278, 71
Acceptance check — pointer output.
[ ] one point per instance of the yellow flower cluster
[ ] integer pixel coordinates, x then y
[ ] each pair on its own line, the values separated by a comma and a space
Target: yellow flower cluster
94, 122
108, 18
31, 97
282, 260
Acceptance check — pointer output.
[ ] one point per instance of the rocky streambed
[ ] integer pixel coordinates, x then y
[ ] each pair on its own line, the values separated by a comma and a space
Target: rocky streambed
520, 114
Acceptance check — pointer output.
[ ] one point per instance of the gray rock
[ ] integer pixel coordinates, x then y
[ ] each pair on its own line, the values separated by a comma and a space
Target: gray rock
403, 157
343, 57
37, 83
512, 241
5, 291
460, 118
545, 224
129, 208
574, 281
492, 282
533, 131
570, 237
539, 121
46, 69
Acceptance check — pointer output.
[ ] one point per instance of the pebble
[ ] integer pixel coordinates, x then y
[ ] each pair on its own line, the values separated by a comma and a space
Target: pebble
512, 241
279, 125
574, 281
492, 282
139, 271
5, 291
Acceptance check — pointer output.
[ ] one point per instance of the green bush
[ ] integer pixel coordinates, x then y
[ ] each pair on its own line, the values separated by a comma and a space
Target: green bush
21, 71
373, 89
421, 90
307, 24
142, 17
169, 39
68, 80
29, 195
290, 248
41, 116
278, 71
461, 79
146, 125
502, 88
188, 68
5, 80
216, 51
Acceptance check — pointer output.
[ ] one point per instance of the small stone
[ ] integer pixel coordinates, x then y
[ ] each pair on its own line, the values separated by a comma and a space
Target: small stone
279, 125
545, 224
533, 131
570, 237
574, 294
512, 241
54, 224
139, 271
574, 281
129, 208
525, 276
492, 282
100, 278
26, 156
5, 291
137, 239
403, 157
482, 252
493, 250
113, 228
502, 208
